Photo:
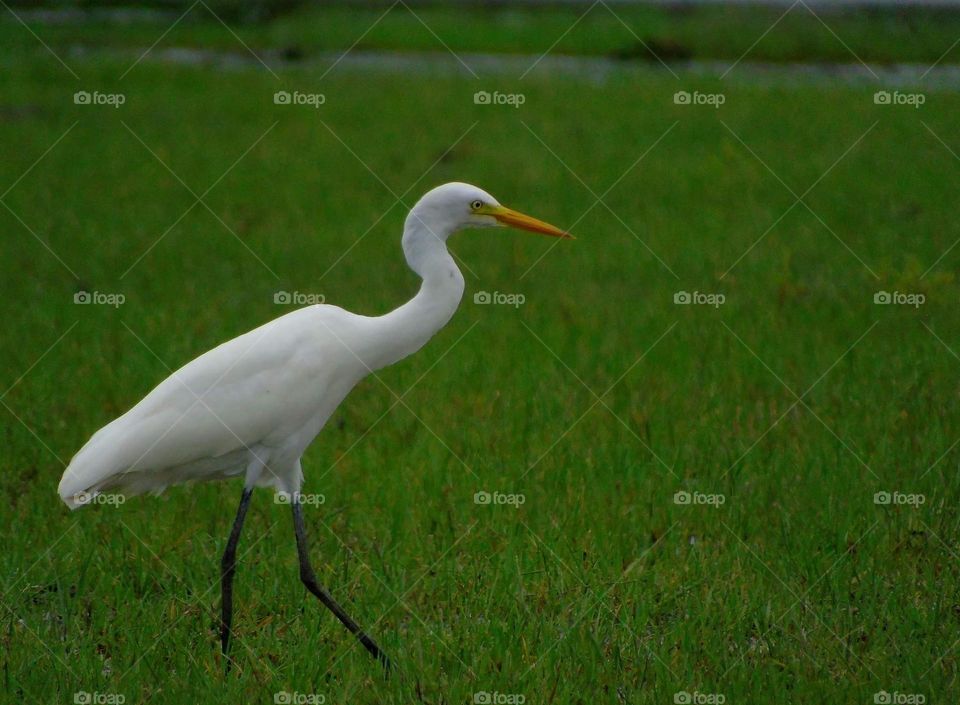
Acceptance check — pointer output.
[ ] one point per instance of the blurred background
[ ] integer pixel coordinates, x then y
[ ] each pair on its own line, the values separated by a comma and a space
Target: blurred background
884, 31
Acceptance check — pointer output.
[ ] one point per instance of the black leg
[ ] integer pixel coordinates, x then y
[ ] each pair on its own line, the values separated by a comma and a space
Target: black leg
228, 566
310, 580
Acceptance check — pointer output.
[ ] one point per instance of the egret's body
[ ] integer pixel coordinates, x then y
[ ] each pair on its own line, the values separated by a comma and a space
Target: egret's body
252, 405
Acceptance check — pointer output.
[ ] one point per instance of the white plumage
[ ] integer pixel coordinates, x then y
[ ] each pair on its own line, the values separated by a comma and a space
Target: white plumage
253, 404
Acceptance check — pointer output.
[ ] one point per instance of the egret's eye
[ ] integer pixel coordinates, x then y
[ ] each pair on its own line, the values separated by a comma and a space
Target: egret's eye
476, 205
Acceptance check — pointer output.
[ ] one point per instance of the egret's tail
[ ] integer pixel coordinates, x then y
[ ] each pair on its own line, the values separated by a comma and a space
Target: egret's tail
94, 466
120, 459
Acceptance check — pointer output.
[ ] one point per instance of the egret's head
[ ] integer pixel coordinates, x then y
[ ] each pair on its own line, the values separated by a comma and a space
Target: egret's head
455, 206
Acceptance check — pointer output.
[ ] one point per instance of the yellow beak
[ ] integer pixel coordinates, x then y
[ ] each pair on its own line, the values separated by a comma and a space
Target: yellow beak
514, 219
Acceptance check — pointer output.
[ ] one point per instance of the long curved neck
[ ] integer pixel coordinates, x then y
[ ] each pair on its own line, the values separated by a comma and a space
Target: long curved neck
406, 329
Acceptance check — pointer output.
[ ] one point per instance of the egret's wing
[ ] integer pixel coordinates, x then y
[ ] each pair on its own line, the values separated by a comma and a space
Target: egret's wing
249, 392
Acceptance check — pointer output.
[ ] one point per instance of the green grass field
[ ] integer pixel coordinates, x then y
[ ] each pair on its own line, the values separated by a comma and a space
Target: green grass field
598, 399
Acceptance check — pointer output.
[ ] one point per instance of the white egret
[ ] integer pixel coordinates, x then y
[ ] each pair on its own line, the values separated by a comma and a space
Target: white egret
252, 405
